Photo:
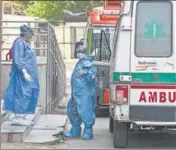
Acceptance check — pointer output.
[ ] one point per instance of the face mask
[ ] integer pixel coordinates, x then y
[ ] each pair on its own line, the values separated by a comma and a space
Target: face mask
81, 55
31, 39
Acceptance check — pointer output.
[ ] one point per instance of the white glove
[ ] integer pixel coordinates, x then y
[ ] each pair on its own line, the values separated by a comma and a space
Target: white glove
27, 76
80, 72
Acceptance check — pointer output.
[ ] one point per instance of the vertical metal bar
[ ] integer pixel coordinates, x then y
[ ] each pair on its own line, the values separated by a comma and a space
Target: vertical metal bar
29, 26
1, 12
47, 73
51, 70
71, 38
64, 39
74, 41
45, 45
37, 40
50, 73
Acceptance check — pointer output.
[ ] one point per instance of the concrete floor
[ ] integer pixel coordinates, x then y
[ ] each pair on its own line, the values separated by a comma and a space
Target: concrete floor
46, 126
103, 140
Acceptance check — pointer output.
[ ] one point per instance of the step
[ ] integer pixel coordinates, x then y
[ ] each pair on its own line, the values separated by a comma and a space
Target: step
46, 126
4, 114
16, 134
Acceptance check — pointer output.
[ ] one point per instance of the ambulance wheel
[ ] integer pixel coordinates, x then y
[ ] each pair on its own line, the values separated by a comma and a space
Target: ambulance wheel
120, 134
110, 124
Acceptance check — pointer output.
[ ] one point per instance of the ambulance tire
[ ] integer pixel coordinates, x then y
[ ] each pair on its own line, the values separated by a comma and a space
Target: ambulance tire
120, 134
110, 124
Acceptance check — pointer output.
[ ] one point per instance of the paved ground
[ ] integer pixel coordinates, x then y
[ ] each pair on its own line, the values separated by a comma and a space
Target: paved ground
103, 140
46, 126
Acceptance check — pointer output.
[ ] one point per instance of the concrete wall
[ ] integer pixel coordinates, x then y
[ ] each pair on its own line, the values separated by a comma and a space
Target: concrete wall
68, 35
42, 101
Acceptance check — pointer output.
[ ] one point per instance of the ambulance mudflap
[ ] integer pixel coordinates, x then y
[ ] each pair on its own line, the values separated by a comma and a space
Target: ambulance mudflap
153, 103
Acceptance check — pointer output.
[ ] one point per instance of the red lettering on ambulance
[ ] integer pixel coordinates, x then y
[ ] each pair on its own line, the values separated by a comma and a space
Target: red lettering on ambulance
172, 97
142, 97
152, 96
162, 97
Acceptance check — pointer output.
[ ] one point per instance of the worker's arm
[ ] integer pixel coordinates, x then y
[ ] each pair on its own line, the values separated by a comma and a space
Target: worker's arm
90, 73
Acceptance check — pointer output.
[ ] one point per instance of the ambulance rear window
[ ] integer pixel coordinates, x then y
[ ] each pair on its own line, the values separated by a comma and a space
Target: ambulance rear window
153, 37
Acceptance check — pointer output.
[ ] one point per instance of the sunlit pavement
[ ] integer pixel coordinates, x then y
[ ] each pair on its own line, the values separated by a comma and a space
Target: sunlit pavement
103, 140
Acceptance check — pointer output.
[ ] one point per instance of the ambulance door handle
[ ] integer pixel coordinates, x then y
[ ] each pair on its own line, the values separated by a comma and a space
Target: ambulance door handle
103, 73
169, 64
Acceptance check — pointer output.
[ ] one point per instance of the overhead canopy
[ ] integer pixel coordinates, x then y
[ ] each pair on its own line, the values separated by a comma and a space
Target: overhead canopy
75, 17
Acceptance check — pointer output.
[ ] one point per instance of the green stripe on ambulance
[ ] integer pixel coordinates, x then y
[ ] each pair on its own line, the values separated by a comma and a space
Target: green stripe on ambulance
148, 77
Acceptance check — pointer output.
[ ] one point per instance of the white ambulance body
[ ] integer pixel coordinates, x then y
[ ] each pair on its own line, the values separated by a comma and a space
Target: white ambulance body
143, 69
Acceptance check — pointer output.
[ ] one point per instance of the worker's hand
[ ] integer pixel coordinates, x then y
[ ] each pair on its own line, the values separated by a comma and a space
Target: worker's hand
80, 72
87, 63
27, 76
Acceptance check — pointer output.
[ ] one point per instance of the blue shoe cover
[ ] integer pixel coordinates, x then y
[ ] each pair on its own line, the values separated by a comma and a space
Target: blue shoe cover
74, 133
67, 134
86, 137
88, 134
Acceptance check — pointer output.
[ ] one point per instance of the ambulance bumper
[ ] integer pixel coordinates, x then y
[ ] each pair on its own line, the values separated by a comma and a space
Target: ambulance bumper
152, 113
148, 123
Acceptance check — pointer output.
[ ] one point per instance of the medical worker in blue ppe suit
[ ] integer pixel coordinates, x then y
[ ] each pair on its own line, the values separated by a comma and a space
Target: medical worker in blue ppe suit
82, 104
22, 93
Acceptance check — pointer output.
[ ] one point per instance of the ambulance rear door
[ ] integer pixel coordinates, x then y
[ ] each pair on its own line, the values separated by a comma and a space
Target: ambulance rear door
152, 91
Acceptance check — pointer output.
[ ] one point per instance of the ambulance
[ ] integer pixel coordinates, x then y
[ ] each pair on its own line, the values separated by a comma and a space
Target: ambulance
143, 69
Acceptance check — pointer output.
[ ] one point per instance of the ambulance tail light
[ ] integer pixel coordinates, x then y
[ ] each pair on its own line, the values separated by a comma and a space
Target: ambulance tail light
121, 94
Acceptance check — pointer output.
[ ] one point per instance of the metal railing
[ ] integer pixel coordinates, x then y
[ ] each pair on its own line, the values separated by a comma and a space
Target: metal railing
56, 70
45, 45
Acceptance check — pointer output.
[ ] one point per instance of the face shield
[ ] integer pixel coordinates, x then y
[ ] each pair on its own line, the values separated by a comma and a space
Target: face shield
81, 52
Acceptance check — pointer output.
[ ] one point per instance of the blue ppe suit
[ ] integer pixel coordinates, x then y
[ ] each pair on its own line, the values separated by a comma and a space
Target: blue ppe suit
21, 96
81, 106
